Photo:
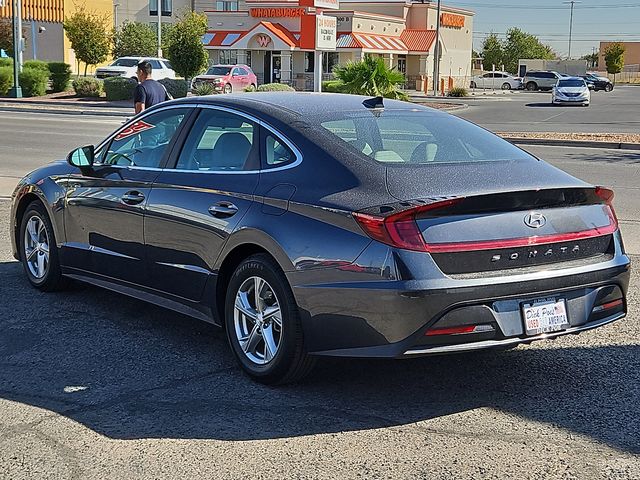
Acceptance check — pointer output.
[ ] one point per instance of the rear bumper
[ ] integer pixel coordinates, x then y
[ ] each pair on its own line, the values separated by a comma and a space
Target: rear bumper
388, 318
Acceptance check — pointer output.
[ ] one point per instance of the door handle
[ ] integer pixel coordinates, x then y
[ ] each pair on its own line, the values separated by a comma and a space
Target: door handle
132, 198
223, 209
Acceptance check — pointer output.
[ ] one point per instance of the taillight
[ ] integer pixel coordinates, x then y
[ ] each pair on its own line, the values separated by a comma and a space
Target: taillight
606, 194
400, 229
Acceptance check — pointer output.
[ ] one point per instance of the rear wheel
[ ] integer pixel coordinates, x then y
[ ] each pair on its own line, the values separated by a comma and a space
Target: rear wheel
263, 323
39, 253
506, 86
228, 88
532, 86
473, 85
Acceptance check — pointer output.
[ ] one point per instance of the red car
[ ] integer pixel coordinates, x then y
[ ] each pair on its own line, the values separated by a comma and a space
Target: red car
227, 78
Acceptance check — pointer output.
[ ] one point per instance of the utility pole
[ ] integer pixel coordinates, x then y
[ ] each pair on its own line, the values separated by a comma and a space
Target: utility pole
159, 28
572, 3
16, 90
436, 59
115, 15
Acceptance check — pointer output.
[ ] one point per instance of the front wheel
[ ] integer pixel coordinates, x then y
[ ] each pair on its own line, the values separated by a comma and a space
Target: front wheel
473, 85
608, 87
532, 86
39, 253
263, 323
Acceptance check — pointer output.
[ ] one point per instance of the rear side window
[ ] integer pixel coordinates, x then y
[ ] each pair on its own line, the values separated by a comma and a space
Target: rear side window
417, 137
219, 142
277, 153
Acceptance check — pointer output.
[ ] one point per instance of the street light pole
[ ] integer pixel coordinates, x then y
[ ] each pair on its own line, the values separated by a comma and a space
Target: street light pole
159, 29
436, 59
16, 90
572, 3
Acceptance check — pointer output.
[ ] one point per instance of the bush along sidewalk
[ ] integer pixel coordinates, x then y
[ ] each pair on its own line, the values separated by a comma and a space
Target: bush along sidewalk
60, 76
34, 81
177, 88
119, 88
6, 79
87, 87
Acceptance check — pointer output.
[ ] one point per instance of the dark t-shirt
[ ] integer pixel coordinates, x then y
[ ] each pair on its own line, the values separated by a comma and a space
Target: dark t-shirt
150, 93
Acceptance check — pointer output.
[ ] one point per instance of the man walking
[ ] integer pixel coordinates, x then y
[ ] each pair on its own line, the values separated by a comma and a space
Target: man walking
148, 92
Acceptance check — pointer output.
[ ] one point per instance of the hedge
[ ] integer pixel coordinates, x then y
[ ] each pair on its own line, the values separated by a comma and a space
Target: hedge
333, 86
60, 76
34, 82
275, 87
87, 87
6, 62
177, 88
37, 65
119, 88
6, 79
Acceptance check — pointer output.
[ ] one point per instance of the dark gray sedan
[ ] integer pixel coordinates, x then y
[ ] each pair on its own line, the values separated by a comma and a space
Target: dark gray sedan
314, 225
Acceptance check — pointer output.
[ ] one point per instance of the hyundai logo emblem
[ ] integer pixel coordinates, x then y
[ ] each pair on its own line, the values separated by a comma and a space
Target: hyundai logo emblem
535, 220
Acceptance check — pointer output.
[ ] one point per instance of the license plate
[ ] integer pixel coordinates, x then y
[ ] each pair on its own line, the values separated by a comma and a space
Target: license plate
545, 315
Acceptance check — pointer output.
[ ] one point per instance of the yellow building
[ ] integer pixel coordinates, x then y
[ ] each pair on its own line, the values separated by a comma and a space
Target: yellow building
43, 26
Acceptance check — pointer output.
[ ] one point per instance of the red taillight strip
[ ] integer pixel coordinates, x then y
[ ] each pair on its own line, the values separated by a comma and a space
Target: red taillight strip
450, 331
521, 242
608, 306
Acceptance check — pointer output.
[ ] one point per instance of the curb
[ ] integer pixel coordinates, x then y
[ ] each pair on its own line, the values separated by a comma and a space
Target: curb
60, 111
574, 143
60, 103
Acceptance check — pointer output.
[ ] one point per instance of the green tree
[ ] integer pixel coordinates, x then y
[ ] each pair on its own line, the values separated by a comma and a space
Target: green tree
614, 58
492, 52
6, 36
371, 77
134, 39
591, 58
519, 45
89, 34
184, 49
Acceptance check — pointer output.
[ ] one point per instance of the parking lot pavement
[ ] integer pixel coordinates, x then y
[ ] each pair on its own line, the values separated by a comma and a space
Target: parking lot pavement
612, 112
95, 385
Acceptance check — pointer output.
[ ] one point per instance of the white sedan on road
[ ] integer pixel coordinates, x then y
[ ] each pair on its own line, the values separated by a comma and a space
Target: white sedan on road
571, 90
494, 80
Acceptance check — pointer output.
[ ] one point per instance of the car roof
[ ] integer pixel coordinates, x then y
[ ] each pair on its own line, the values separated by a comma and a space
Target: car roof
289, 106
572, 78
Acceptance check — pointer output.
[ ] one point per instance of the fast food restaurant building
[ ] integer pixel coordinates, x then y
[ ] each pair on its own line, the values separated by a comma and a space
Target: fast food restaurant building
277, 39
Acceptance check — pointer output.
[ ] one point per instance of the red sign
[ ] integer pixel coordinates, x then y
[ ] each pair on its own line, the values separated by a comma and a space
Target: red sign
133, 129
451, 20
277, 12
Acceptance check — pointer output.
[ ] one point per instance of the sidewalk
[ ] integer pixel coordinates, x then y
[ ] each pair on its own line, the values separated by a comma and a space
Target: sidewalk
67, 103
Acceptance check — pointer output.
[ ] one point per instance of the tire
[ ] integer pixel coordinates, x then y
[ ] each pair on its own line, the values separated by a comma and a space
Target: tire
473, 85
50, 278
506, 86
532, 86
228, 88
290, 362
608, 87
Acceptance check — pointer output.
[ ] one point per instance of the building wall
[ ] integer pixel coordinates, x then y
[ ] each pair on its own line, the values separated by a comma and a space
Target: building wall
138, 10
100, 7
631, 54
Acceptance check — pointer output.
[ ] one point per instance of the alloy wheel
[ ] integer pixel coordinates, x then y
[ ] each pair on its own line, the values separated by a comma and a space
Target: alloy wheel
257, 320
36, 247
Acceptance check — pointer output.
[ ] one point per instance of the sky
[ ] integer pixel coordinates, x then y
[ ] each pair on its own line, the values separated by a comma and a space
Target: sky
593, 21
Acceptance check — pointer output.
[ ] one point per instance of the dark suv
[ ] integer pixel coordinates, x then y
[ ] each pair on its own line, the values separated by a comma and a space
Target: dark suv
540, 80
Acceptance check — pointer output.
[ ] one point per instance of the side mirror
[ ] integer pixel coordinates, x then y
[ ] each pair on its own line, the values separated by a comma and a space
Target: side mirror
82, 157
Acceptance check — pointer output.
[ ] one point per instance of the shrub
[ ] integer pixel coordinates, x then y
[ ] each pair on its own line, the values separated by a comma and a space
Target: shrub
6, 79
371, 77
37, 65
34, 82
250, 88
87, 87
60, 76
119, 88
204, 89
333, 86
275, 87
458, 92
6, 62
177, 88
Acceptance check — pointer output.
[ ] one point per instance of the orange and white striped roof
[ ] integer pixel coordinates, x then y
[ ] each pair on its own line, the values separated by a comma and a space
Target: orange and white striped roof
371, 42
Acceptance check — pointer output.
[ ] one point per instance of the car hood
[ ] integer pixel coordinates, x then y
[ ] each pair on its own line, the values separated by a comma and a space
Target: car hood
210, 77
112, 69
572, 89
470, 179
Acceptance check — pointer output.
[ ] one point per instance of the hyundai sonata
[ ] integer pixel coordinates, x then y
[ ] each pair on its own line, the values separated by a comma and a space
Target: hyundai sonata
312, 225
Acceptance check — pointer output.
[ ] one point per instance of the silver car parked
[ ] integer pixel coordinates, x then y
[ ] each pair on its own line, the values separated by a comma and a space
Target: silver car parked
535, 80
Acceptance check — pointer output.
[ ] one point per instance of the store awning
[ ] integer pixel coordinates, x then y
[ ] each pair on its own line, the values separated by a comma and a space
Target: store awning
235, 38
371, 42
418, 40
221, 39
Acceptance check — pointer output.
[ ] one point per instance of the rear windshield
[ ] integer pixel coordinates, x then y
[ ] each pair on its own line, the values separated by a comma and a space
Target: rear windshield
571, 83
419, 137
125, 62
219, 71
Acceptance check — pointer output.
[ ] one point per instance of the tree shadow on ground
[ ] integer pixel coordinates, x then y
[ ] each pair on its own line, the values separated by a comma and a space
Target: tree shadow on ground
129, 370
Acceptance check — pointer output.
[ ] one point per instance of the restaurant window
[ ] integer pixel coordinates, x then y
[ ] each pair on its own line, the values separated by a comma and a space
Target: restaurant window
329, 60
227, 5
309, 61
228, 57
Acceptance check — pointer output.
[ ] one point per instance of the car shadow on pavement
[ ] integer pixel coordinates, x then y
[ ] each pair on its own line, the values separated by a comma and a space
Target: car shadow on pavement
129, 370
540, 105
631, 157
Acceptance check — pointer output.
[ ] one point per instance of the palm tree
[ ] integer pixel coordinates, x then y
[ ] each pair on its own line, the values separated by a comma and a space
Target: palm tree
371, 77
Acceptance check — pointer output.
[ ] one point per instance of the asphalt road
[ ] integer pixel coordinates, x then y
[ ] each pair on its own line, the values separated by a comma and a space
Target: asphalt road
99, 386
613, 112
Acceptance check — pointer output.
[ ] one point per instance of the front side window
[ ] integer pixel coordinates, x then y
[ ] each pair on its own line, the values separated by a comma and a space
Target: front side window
144, 142
218, 142
419, 138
